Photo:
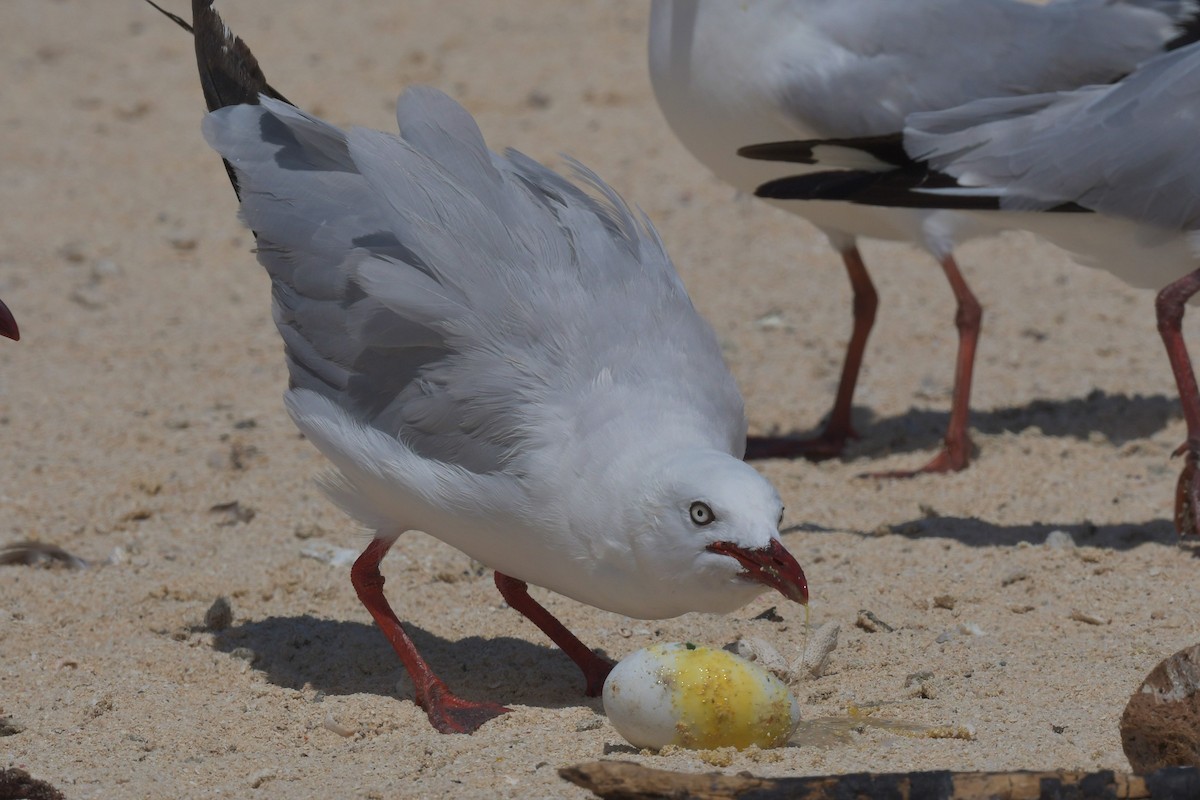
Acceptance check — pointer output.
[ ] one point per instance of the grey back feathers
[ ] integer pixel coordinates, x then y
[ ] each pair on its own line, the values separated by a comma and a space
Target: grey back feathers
1127, 149
448, 296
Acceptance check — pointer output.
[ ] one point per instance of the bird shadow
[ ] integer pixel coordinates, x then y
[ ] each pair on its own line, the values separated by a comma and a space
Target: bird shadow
974, 532
1120, 418
341, 658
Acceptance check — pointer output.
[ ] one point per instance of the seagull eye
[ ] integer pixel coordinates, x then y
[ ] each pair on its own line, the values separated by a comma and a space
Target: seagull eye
780, 517
701, 514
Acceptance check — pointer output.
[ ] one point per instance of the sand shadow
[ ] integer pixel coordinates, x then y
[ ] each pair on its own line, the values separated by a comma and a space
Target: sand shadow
1119, 418
980, 533
339, 658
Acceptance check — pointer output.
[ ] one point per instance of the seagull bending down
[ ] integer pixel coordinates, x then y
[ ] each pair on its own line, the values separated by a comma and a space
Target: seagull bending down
731, 74
1108, 173
492, 355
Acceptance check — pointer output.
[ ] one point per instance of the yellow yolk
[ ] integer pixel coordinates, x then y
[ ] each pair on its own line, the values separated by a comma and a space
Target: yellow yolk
723, 701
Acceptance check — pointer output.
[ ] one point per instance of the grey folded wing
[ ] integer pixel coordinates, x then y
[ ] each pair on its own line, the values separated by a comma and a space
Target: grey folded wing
1127, 149
926, 55
448, 296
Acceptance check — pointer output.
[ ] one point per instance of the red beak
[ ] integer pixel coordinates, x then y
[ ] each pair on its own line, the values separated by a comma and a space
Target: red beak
8, 325
772, 565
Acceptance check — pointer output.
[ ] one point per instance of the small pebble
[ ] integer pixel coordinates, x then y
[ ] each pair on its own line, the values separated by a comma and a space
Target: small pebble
1013, 577
10, 727
307, 531
770, 615
590, 724
1089, 618
329, 554
261, 777
331, 724
1059, 540
762, 652
233, 513
821, 644
243, 653
946, 601
219, 615
871, 623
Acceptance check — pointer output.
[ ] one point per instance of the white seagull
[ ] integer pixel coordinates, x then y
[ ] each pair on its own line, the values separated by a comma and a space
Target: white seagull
488, 353
1108, 173
731, 74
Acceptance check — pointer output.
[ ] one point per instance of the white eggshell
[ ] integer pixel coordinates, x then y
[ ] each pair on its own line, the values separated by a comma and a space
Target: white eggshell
699, 698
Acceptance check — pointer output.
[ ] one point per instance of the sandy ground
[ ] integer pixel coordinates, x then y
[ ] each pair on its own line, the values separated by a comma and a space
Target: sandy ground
146, 393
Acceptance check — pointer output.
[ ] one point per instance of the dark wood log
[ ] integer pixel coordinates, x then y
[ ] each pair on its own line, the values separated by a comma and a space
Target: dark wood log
623, 780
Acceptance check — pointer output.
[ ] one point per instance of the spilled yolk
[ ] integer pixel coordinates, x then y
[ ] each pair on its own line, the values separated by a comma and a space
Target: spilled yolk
721, 702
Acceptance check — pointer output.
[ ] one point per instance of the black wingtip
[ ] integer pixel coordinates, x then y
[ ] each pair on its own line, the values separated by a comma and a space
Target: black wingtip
834, 185
1188, 30
178, 20
909, 187
898, 188
797, 152
8, 324
229, 72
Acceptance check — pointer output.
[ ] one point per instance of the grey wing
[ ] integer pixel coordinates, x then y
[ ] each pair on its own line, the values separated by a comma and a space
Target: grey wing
924, 55
1126, 149
442, 294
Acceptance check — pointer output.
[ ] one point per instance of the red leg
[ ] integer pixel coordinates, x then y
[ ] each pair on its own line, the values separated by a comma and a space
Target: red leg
956, 447
1169, 306
838, 428
595, 669
447, 712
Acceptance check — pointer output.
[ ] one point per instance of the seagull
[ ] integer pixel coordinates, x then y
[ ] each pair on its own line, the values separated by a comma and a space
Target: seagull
499, 357
1108, 173
8, 324
731, 74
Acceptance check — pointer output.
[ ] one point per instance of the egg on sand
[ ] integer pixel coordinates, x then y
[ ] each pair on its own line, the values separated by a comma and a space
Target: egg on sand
699, 698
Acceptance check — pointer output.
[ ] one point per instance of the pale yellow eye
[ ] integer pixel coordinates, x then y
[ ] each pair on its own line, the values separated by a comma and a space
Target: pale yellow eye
701, 514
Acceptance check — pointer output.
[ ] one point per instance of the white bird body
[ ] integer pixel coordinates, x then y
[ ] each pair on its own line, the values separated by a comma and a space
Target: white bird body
488, 353
493, 357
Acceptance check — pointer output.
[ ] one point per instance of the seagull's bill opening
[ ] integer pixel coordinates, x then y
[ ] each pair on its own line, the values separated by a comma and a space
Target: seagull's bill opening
772, 566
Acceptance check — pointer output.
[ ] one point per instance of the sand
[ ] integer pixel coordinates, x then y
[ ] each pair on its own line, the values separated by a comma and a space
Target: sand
144, 399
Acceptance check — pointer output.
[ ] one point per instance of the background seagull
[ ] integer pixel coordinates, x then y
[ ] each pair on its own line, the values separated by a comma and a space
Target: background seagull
1109, 173
728, 74
492, 355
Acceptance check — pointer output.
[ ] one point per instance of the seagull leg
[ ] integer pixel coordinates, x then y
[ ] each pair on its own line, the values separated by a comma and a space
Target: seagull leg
595, 669
1170, 306
447, 712
956, 447
838, 428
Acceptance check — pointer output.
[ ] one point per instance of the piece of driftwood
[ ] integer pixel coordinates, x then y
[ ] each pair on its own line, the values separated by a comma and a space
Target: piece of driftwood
624, 780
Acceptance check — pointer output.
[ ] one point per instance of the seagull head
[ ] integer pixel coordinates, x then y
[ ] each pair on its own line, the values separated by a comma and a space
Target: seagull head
715, 535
